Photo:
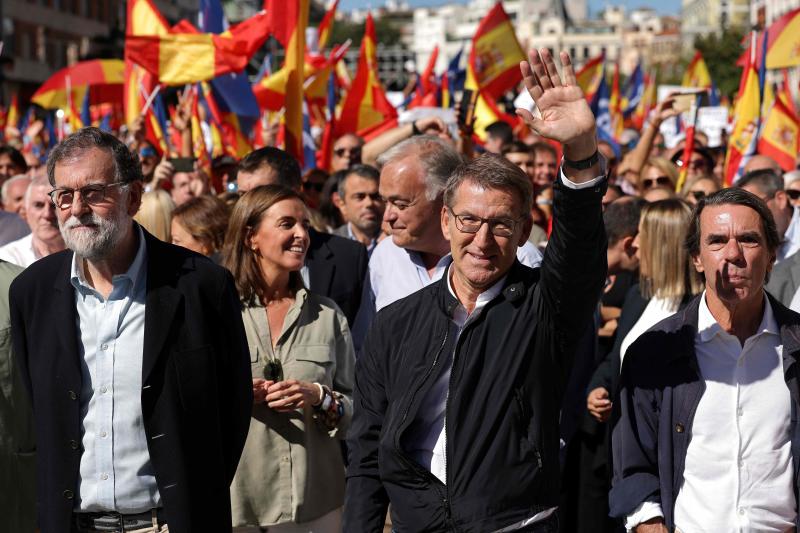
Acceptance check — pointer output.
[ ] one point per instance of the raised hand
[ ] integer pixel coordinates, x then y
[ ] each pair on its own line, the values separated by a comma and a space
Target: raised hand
565, 115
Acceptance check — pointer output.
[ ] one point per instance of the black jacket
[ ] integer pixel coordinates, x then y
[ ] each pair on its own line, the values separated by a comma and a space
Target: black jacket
196, 392
510, 366
336, 269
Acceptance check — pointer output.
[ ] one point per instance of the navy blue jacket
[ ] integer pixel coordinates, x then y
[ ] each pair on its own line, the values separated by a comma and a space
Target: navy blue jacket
660, 388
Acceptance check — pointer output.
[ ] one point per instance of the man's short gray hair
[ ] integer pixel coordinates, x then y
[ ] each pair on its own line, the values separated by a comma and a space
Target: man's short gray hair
127, 168
766, 180
436, 156
38, 181
492, 171
7, 184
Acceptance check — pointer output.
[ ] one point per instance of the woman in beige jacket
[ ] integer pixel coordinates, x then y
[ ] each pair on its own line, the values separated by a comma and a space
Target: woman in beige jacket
291, 475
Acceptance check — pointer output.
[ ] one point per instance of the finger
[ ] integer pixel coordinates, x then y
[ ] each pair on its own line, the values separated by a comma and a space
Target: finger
539, 70
531, 121
550, 66
528, 78
567, 70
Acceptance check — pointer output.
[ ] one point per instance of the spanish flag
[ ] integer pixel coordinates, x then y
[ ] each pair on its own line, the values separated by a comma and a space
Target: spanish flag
425, 93
493, 67
589, 77
780, 136
697, 75
288, 21
783, 49
496, 54
615, 106
12, 116
143, 19
366, 107
326, 25
746, 121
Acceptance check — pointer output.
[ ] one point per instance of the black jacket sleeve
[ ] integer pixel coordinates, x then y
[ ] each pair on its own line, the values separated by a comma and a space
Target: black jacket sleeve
366, 500
574, 267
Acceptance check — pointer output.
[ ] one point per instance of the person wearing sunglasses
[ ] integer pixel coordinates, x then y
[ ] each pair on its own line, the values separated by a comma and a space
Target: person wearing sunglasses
701, 162
699, 189
768, 185
791, 184
658, 172
149, 160
313, 183
346, 151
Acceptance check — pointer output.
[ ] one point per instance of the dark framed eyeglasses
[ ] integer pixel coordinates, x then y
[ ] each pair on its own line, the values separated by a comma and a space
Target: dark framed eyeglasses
311, 186
499, 227
355, 152
793, 194
663, 181
94, 194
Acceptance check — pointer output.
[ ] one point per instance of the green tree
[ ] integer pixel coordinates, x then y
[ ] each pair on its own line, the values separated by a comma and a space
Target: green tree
720, 53
386, 32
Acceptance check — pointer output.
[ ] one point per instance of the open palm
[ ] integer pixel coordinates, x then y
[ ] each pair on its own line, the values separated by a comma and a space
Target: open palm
565, 115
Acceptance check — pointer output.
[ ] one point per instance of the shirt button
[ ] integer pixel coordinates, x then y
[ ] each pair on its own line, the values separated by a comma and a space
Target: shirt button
104, 347
104, 389
741, 511
68, 494
104, 476
740, 411
678, 428
741, 462
72, 395
103, 434
73, 444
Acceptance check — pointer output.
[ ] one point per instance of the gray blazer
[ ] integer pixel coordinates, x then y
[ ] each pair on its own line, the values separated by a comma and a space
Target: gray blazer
785, 279
17, 445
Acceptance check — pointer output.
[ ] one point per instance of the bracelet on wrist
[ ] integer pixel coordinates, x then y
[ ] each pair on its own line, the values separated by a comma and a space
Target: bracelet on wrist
414, 129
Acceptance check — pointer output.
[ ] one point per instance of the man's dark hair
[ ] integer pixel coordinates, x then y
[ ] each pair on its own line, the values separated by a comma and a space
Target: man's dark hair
516, 147
621, 218
16, 157
500, 130
732, 196
364, 171
542, 146
765, 180
127, 168
708, 157
284, 165
491, 171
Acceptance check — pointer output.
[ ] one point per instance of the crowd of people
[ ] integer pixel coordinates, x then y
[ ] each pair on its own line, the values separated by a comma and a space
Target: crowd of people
543, 333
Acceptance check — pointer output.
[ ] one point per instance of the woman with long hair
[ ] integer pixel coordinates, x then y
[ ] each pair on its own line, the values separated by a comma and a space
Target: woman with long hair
291, 474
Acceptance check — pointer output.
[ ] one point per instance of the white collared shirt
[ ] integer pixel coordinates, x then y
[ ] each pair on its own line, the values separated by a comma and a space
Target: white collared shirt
738, 473
791, 239
115, 469
20, 252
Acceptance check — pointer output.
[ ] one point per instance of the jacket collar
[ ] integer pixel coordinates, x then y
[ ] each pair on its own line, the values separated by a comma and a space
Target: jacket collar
513, 290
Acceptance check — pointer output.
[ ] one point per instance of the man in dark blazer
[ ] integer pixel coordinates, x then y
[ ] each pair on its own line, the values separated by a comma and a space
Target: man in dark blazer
335, 266
135, 358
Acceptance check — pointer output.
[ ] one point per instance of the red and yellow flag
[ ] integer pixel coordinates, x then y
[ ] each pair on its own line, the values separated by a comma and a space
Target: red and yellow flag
746, 117
647, 103
425, 93
496, 53
780, 136
288, 22
12, 116
493, 67
326, 25
615, 106
365, 107
589, 76
697, 75
143, 19
783, 49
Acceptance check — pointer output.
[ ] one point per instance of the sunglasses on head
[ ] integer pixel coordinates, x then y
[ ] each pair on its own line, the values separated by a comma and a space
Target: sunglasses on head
355, 152
147, 152
648, 183
793, 194
310, 185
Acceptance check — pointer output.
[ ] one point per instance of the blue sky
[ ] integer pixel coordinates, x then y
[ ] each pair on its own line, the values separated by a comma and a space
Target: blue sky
666, 7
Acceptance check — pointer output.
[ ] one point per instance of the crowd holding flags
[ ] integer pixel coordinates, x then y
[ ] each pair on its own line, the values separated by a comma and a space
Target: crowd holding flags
206, 59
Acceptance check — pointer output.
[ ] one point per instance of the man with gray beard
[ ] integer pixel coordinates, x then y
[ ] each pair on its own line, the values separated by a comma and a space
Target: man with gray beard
135, 358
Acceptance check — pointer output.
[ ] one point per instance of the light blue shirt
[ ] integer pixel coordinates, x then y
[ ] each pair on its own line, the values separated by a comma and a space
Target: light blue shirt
115, 469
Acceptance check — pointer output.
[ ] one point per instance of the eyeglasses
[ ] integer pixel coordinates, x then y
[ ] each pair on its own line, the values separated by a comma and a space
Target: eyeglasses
696, 164
147, 152
499, 227
648, 183
310, 185
355, 152
91, 194
793, 194
699, 195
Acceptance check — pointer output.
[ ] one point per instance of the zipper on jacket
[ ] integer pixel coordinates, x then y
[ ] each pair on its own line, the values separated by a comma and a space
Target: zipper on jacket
422, 383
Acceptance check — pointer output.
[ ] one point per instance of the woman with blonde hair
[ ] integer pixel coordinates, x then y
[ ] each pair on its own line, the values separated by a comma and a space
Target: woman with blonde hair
658, 172
291, 474
199, 224
155, 214
667, 281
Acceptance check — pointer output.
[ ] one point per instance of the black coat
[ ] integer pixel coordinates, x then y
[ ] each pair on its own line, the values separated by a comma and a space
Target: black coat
510, 366
336, 269
196, 392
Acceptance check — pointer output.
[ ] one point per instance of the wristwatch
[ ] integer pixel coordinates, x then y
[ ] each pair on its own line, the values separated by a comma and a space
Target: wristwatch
583, 164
